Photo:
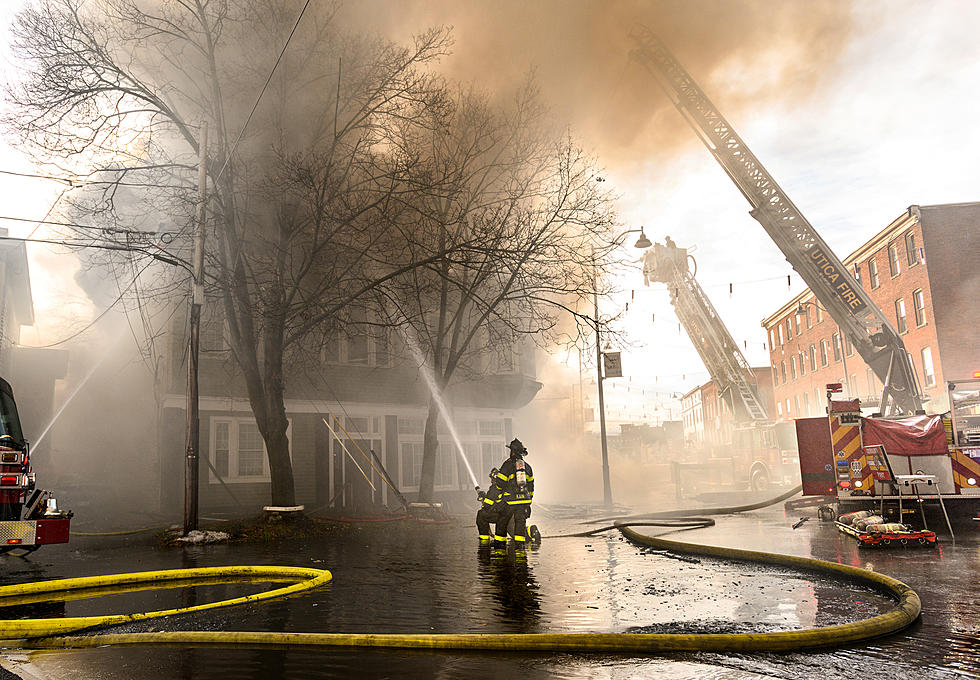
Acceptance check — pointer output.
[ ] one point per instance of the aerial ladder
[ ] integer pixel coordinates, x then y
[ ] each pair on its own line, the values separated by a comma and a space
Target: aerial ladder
666, 263
874, 337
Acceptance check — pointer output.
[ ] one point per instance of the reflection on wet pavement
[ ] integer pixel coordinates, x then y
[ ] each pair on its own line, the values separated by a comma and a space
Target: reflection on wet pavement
412, 578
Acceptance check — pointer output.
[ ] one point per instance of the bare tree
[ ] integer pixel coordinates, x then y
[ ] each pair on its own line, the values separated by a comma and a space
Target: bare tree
113, 92
522, 219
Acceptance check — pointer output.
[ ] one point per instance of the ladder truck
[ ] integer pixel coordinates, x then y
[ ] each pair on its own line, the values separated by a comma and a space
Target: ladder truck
761, 451
874, 337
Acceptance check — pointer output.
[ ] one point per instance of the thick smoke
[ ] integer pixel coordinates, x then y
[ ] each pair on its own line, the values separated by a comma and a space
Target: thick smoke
579, 53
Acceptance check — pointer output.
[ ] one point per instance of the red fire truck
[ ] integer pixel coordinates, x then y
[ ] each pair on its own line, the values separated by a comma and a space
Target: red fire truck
897, 467
29, 517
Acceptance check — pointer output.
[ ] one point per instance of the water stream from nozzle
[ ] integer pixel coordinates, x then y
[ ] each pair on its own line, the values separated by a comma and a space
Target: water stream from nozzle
430, 381
67, 401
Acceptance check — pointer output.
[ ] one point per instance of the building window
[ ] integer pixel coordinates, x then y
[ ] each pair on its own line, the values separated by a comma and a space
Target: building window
852, 382
796, 320
928, 371
363, 347
809, 321
779, 331
238, 452
823, 353
848, 345
802, 363
787, 407
782, 370
900, 320
789, 330
911, 252
772, 339
819, 313
871, 381
796, 404
779, 409
212, 330
836, 342
919, 307
411, 463
806, 403
894, 266
873, 273
813, 358
792, 366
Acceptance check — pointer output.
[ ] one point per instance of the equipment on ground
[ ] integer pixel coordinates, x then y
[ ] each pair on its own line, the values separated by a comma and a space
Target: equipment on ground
29, 517
874, 337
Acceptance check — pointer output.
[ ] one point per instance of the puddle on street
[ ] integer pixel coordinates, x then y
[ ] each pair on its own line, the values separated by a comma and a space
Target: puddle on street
424, 579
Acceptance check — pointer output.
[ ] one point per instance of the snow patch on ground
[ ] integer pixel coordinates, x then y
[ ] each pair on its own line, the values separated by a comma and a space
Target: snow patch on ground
197, 537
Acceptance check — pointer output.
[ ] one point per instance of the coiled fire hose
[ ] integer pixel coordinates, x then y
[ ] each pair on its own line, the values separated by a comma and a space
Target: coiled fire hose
53, 633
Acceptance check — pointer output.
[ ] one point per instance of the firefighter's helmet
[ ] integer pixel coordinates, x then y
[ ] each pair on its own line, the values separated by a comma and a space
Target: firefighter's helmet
517, 448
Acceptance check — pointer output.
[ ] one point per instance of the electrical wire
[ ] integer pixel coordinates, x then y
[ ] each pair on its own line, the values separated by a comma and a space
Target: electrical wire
99, 317
262, 92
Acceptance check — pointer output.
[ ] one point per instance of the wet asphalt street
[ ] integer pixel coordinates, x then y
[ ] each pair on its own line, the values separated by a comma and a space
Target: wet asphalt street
407, 578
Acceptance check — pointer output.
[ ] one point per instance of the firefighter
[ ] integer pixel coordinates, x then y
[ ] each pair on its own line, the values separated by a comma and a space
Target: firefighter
491, 508
516, 479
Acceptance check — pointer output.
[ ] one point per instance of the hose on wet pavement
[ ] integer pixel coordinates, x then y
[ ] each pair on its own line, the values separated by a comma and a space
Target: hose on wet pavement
51, 633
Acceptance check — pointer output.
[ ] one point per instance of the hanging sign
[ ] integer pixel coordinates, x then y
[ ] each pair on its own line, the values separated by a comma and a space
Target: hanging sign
612, 365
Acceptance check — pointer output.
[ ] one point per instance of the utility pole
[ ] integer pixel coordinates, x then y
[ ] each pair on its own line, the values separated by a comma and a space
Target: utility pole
191, 464
606, 489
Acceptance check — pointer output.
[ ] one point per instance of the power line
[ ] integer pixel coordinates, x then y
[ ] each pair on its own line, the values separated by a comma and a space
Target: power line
99, 317
266, 85
79, 183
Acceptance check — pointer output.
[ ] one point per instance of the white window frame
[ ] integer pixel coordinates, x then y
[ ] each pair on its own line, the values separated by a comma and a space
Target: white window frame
928, 367
234, 424
874, 280
343, 345
919, 307
415, 441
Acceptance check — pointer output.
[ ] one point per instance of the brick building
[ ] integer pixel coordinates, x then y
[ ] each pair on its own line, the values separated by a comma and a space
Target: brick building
923, 272
379, 398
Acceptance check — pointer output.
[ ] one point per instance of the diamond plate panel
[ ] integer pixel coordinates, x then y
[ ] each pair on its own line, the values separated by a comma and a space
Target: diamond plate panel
25, 531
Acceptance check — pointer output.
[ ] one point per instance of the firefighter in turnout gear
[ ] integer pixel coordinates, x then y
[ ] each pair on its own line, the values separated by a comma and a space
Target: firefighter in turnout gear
491, 508
516, 479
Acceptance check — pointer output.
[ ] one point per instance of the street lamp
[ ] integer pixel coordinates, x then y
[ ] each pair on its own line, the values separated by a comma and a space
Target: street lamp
641, 242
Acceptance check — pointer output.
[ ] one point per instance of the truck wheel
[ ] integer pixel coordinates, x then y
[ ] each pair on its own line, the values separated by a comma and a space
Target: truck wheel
759, 480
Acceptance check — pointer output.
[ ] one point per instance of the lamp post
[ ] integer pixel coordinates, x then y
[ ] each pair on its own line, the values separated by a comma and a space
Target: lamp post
641, 242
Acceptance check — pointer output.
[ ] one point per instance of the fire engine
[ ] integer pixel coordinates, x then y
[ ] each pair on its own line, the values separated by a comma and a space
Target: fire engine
896, 467
29, 517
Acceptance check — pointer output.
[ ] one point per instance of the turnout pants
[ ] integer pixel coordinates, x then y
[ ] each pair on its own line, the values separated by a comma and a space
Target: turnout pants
491, 514
517, 513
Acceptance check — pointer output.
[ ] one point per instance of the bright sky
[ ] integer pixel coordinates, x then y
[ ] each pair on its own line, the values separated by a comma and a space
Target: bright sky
890, 124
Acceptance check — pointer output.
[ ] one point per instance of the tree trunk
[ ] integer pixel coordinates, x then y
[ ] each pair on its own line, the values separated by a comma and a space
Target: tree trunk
280, 467
430, 449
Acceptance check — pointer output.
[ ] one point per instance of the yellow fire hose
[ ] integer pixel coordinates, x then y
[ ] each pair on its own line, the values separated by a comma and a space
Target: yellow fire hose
40, 633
